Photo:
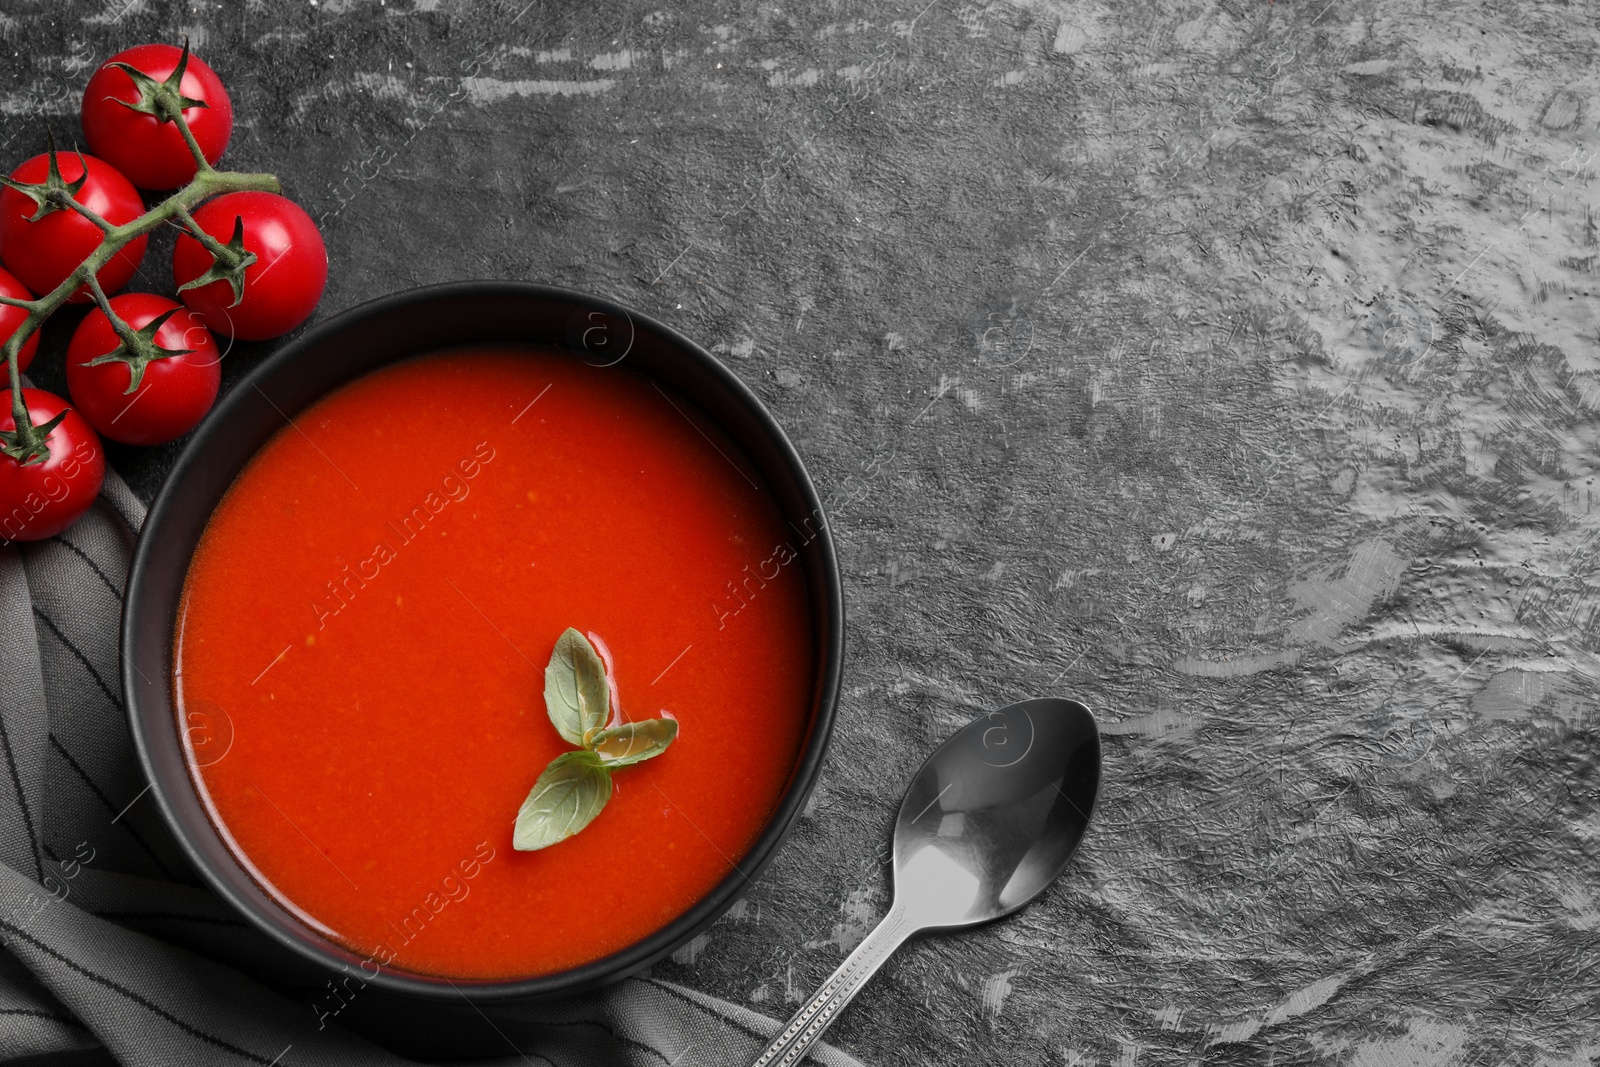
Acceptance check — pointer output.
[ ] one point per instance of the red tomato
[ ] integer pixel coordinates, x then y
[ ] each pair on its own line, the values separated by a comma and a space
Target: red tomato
151, 152
41, 254
174, 392
41, 499
11, 318
282, 286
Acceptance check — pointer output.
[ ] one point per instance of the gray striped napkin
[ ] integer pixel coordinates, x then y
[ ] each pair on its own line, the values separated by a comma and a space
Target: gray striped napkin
115, 951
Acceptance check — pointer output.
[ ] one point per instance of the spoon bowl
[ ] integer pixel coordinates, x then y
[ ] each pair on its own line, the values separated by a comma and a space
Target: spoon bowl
989, 821
996, 812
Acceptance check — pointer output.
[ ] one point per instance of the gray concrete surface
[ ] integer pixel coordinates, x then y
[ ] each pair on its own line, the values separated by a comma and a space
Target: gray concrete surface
1231, 366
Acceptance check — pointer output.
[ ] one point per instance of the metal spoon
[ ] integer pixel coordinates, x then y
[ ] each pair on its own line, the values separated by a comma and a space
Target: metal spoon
990, 820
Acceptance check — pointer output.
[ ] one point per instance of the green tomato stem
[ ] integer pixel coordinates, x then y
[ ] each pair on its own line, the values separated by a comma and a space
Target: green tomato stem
202, 164
123, 331
190, 227
90, 214
19, 410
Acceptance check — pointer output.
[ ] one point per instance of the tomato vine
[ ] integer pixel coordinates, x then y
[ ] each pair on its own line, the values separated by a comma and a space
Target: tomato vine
26, 443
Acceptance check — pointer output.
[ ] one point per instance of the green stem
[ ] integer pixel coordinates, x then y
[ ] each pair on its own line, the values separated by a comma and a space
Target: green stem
192, 228
90, 214
19, 410
202, 164
123, 331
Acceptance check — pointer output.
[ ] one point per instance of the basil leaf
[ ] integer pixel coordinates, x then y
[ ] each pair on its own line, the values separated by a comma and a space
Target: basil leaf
632, 742
565, 799
575, 690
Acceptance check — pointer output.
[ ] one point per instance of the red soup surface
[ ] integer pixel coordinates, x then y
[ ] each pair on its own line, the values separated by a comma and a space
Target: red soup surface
361, 648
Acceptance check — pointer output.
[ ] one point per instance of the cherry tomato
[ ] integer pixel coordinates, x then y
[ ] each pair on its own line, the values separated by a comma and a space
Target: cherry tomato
282, 286
11, 318
174, 392
41, 254
41, 499
152, 153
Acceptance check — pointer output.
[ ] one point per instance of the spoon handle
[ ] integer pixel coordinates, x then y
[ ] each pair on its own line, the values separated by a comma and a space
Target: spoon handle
841, 987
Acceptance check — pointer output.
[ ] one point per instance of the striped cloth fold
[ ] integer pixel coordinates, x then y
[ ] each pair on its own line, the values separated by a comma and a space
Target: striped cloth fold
114, 950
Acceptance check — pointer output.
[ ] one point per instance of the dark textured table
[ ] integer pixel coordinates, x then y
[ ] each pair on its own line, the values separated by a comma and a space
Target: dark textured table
1234, 367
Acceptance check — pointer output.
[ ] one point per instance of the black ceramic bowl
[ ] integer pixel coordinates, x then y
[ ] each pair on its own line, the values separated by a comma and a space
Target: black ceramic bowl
373, 335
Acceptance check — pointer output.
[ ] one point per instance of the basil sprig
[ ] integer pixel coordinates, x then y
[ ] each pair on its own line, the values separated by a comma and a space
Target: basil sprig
576, 785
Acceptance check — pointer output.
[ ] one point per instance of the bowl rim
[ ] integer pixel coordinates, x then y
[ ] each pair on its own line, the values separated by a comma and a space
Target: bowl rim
632, 958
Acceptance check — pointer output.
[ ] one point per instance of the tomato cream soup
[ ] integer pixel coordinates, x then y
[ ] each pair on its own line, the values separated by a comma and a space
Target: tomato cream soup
369, 614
